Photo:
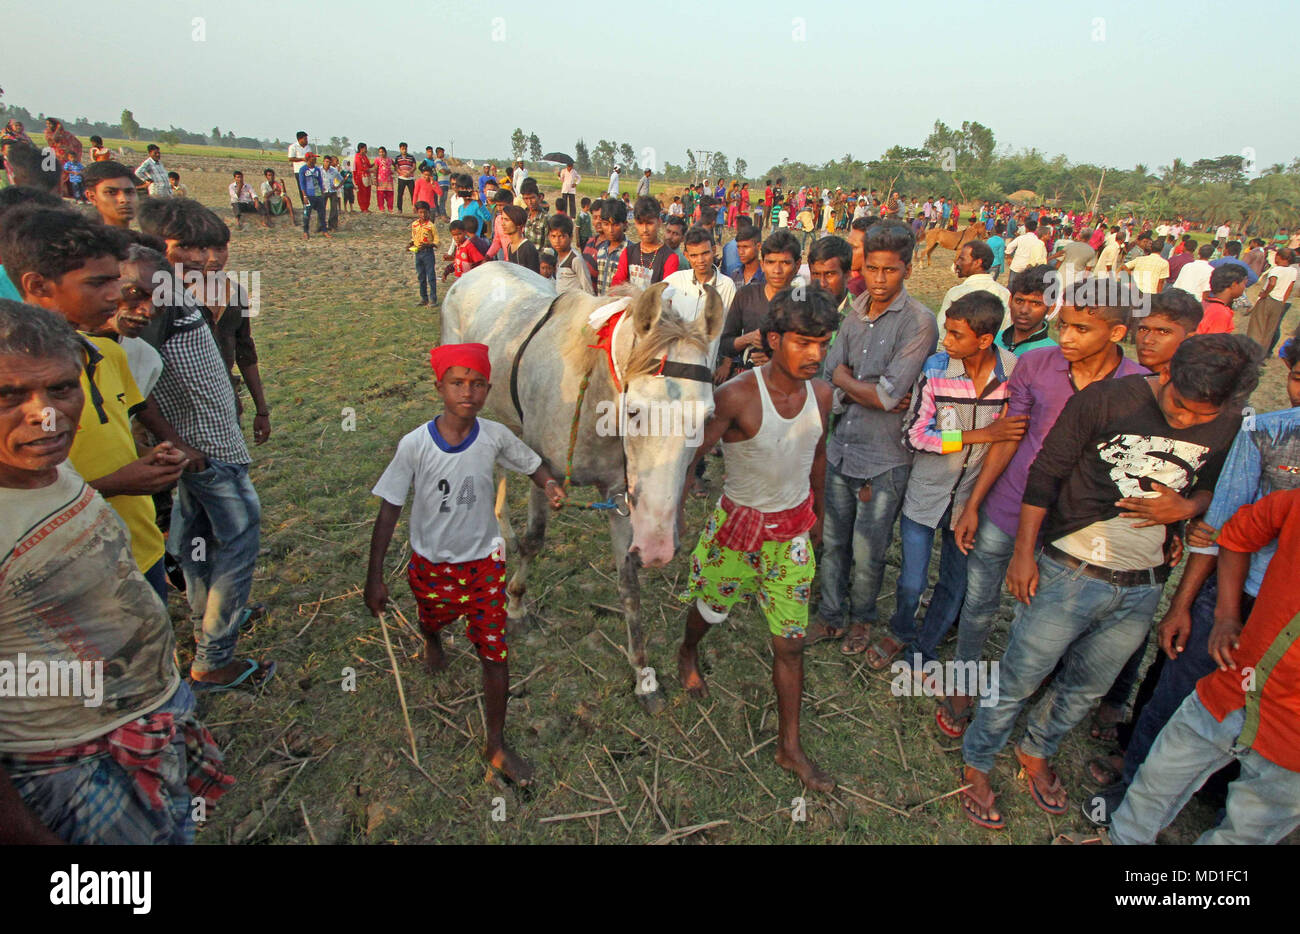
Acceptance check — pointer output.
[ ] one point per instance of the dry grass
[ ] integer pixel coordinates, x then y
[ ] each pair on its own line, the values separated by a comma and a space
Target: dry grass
339, 330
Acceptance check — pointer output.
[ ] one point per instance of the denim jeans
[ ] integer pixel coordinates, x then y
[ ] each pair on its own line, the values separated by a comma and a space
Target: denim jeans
216, 530
1263, 803
949, 590
314, 203
986, 572
856, 535
1093, 626
1178, 677
426, 270
1118, 694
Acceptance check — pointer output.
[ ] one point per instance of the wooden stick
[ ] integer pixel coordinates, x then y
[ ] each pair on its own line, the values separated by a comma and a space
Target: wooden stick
579, 816
674, 835
314, 614
254, 831
578, 791
765, 742
401, 694
601, 782
419, 768
949, 794
617, 772
310, 833
645, 790
898, 737
742, 762
870, 800
324, 599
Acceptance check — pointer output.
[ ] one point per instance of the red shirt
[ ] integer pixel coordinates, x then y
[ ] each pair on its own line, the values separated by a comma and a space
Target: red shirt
1270, 641
466, 257
1217, 318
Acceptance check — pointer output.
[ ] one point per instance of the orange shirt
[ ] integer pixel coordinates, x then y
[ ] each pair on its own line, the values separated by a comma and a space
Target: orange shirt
1268, 662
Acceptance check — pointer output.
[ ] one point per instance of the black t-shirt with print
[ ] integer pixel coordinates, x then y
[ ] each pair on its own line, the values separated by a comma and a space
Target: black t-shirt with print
1112, 441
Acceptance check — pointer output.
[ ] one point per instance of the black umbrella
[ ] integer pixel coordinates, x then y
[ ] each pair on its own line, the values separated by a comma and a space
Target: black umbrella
559, 157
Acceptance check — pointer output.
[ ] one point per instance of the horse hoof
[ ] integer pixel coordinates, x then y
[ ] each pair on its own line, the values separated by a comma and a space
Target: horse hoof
654, 702
518, 625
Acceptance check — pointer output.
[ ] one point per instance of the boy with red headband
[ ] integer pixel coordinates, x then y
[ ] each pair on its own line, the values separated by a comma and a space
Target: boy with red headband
457, 565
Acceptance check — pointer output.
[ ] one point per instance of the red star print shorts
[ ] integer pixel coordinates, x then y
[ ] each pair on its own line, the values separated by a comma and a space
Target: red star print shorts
473, 589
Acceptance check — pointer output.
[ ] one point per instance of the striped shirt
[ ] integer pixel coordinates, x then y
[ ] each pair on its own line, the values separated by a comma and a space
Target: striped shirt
944, 404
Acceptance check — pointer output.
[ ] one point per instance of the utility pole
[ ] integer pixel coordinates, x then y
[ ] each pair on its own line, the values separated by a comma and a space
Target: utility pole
702, 157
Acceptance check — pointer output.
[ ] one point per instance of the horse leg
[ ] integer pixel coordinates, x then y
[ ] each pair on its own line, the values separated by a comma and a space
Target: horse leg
517, 615
502, 510
648, 692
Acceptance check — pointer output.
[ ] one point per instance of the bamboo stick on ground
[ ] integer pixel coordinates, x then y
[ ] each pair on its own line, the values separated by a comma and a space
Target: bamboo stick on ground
401, 694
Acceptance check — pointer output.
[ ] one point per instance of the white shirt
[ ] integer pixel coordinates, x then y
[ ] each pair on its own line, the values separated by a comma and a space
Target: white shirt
1025, 251
298, 152
612, 191
1223, 232
1285, 275
569, 179
572, 274
688, 300
1195, 278
452, 518
517, 179
981, 281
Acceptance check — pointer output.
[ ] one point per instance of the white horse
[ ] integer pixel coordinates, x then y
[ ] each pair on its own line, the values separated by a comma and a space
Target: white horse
645, 401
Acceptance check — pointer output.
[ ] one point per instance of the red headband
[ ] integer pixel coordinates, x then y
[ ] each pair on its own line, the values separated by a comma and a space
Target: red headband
471, 356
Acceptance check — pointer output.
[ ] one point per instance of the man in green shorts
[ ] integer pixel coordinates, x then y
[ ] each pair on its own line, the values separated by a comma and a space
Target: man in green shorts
772, 424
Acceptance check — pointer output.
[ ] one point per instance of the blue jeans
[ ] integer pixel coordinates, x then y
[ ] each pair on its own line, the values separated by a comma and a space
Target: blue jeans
216, 530
986, 572
1178, 677
856, 535
1094, 626
426, 270
949, 590
314, 203
1263, 803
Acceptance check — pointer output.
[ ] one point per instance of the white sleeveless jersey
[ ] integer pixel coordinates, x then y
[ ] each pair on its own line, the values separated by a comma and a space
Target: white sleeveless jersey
770, 471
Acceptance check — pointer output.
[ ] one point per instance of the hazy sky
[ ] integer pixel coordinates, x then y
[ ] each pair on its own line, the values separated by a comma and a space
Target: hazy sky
1100, 81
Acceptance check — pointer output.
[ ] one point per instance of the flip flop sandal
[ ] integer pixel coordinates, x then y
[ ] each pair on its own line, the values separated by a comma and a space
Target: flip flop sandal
878, 659
820, 632
1056, 810
1105, 730
254, 666
253, 614
857, 638
960, 721
965, 800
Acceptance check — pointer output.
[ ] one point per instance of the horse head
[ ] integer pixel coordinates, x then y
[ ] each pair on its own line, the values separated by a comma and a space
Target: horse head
667, 397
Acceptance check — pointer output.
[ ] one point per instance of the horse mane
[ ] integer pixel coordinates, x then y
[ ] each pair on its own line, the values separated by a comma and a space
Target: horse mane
647, 351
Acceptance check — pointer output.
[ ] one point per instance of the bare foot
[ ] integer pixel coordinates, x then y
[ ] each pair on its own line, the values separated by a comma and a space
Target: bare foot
812, 777
688, 672
510, 764
435, 660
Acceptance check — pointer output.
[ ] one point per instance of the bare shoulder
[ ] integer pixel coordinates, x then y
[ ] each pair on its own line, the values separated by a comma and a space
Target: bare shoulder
825, 394
732, 395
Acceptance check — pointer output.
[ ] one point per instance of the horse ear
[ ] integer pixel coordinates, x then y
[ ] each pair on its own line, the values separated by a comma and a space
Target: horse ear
647, 309
714, 314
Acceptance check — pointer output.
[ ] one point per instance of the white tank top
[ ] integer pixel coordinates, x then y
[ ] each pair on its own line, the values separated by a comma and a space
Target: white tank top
769, 472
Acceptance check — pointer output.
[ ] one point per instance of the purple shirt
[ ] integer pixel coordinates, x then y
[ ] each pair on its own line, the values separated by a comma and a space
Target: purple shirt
1039, 388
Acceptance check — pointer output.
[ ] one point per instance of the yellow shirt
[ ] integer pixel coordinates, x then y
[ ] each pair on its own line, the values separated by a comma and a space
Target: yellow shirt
423, 233
103, 447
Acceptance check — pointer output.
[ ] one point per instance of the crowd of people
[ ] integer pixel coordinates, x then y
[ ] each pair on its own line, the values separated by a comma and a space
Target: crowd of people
1012, 427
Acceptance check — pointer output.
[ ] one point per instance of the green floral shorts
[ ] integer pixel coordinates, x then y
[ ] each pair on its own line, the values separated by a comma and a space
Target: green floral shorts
779, 575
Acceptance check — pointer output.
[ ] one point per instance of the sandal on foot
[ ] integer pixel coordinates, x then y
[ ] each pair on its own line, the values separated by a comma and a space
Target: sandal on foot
1052, 786
883, 652
820, 632
966, 799
856, 639
1103, 727
245, 679
254, 613
957, 723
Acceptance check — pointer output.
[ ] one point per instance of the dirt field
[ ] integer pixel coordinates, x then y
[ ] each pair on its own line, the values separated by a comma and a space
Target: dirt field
340, 335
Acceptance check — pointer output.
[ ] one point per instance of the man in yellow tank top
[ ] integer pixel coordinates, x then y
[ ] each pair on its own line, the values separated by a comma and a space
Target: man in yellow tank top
771, 422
